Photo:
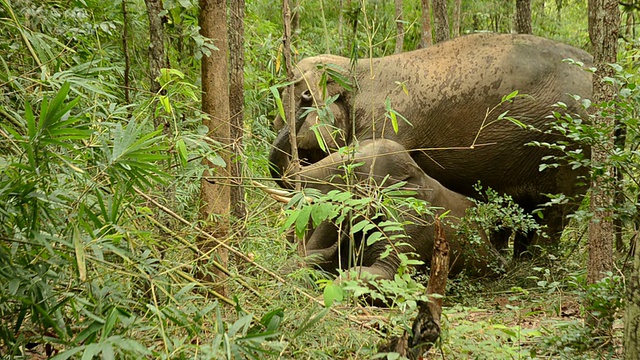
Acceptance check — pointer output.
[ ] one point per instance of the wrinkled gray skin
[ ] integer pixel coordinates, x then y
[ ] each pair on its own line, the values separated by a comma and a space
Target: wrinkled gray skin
450, 88
381, 158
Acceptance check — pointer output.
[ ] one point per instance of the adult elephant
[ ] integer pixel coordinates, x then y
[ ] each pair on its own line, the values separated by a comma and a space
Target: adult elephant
379, 164
450, 94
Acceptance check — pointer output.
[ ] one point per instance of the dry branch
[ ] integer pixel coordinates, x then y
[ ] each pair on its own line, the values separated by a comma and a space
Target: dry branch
426, 326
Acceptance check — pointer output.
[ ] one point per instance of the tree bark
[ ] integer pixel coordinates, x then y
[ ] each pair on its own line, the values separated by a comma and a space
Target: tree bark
399, 27
236, 103
214, 191
632, 312
157, 55
456, 18
427, 36
426, 325
523, 17
604, 21
440, 20
294, 8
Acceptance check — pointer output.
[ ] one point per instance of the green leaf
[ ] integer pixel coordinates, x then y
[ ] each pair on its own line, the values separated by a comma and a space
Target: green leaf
69, 353
311, 320
166, 104
276, 97
272, 319
373, 238
183, 155
319, 138
321, 212
362, 225
335, 72
332, 293
394, 121
107, 352
90, 351
111, 321
303, 220
510, 96
78, 245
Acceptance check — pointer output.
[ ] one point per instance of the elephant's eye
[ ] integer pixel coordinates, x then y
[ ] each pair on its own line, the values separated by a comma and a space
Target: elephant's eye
306, 95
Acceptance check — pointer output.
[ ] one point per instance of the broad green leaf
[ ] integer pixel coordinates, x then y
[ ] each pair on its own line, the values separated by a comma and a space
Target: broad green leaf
332, 293
373, 238
166, 104
510, 96
362, 225
303, 220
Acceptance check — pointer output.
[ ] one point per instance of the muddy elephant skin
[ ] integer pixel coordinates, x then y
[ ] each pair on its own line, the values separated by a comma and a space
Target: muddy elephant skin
445, 92
384, 163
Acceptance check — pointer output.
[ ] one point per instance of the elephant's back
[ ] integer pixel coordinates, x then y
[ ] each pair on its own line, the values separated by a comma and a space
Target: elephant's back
454, 91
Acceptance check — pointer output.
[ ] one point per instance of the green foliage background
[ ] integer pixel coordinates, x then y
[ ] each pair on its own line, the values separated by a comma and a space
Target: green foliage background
90, 266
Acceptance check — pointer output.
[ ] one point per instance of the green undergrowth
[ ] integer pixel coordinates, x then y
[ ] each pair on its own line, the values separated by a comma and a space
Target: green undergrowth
534, 311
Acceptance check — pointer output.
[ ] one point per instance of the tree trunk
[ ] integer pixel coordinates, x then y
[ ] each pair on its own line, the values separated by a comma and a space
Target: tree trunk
523, 17
426, 325
427, 36
456, 18
295, 17
604, 22
236, 102
215, 190
440, 20
632, 312
399, 27
157, 56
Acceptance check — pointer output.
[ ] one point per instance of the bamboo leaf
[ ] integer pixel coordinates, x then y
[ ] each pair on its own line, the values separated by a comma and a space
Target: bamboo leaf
78, 245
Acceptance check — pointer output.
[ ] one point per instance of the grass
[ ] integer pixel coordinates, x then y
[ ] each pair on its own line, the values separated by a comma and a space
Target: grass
534, 311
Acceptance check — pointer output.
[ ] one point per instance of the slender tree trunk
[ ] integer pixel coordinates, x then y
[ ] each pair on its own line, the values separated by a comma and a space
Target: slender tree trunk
157, 55
427, 36
441, 20
631, 340
125, 51
290, 115
426, 326
399, 27
295, 17
456, 18
523, 17
604, 21
215, 191
236, 102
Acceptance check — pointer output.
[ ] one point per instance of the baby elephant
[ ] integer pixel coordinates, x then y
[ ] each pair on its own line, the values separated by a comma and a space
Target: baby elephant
384, 163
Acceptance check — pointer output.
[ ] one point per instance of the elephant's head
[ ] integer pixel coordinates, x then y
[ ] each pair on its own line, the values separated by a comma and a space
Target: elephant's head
321, 110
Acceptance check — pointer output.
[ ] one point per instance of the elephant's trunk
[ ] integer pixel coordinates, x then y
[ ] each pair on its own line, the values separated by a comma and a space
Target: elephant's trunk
280, 157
